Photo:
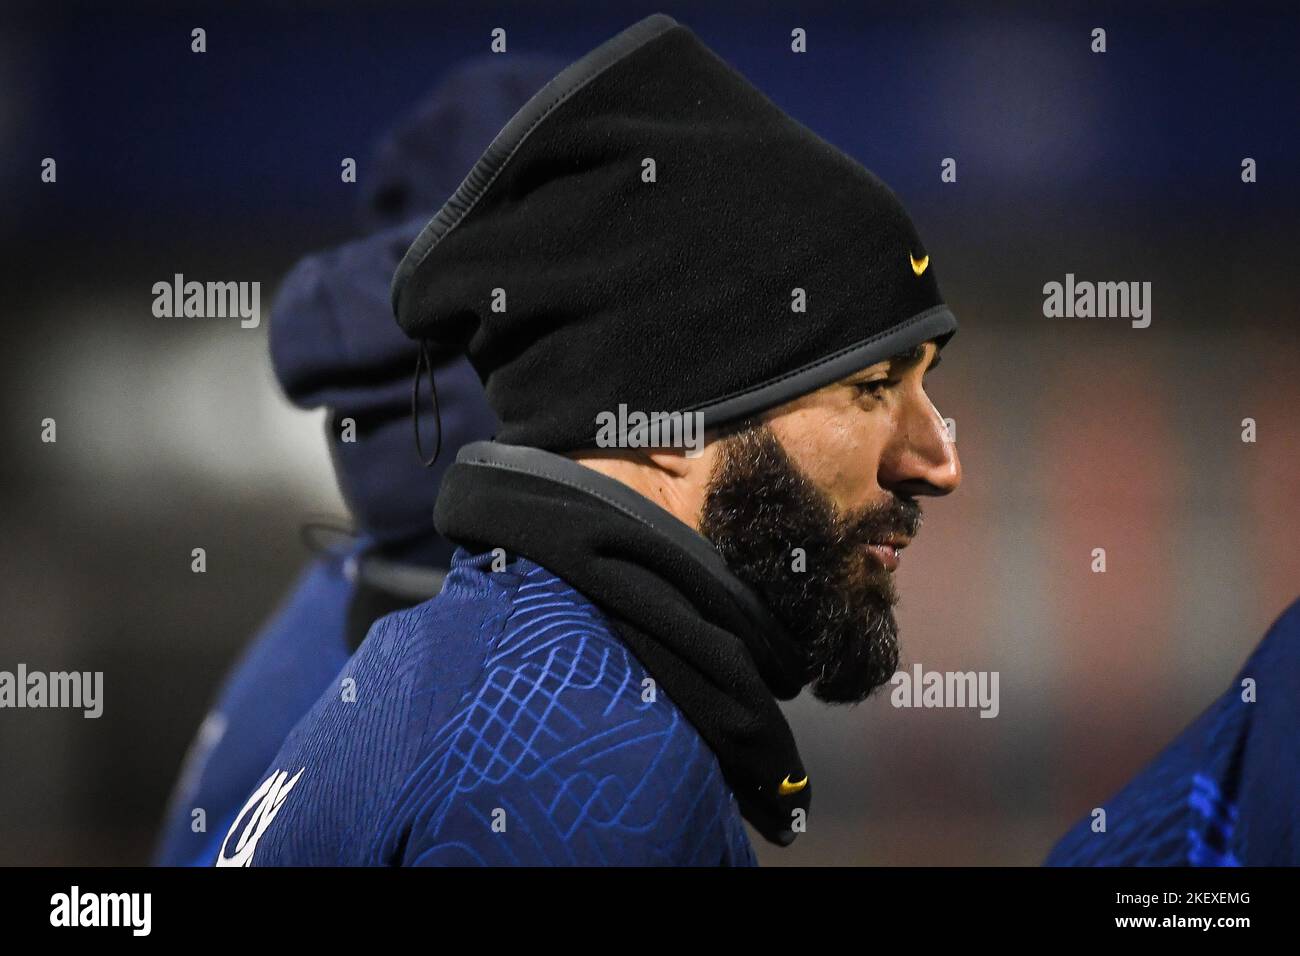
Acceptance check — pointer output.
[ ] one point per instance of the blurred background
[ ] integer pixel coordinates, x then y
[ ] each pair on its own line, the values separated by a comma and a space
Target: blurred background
1074, 433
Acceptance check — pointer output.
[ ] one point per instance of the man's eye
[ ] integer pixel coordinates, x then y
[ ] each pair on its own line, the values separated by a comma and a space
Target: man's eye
874, 387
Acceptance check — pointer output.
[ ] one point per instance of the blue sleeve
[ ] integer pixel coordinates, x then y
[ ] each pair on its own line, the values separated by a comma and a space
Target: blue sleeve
1226, 792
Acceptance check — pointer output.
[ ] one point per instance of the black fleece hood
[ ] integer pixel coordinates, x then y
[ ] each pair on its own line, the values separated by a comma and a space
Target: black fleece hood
651, 231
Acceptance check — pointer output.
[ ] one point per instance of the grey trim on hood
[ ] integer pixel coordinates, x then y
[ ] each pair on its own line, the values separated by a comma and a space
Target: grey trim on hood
934, 323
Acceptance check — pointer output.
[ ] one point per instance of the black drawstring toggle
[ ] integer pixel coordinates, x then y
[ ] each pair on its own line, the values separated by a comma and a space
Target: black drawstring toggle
423, 361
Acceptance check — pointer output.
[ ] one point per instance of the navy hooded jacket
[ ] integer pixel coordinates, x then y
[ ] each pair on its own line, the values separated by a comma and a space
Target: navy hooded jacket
334, 344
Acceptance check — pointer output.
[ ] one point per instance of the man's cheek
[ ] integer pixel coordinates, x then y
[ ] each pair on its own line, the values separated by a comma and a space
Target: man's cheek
851, 479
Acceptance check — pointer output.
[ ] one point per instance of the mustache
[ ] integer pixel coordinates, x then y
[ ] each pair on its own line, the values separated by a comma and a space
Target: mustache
896, 517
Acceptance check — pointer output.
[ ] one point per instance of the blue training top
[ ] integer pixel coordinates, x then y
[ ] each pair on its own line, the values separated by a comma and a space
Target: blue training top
502, 722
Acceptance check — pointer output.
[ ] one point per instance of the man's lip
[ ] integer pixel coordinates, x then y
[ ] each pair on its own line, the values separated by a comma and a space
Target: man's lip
886, 552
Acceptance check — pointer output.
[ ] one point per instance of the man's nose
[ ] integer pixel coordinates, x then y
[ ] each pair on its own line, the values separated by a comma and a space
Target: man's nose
921, 459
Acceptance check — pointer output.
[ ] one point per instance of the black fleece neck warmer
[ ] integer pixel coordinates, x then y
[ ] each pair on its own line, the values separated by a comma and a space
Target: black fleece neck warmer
705, 638
651, 231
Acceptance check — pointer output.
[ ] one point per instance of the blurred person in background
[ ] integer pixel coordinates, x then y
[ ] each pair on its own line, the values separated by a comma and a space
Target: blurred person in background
334, 345
1226, 792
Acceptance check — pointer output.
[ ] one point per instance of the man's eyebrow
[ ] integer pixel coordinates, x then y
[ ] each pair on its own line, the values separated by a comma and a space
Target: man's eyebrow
912, 356
899, 361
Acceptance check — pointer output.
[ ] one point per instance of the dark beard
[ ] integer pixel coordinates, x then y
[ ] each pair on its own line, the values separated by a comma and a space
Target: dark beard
758, 508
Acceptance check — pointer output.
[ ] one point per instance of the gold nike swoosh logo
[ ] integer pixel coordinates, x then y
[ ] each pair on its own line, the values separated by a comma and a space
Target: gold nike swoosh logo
788, 787
919, 265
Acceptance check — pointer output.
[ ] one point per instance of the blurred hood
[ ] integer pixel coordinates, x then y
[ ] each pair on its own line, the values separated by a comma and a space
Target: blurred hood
334, 341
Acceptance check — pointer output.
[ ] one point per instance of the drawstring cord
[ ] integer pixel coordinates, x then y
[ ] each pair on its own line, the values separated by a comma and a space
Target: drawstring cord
325, 537
422, 361
412, 582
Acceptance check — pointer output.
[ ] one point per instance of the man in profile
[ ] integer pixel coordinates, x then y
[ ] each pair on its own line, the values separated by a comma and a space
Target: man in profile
598, 681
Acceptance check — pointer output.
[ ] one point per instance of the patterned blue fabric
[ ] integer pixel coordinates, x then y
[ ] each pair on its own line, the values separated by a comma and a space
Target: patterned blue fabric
276, 681
1226, 792
503, 722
